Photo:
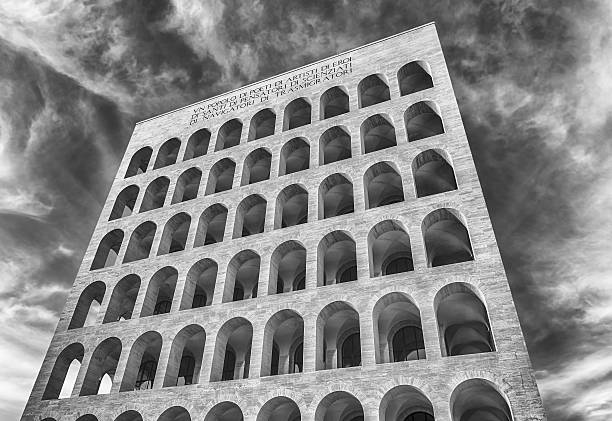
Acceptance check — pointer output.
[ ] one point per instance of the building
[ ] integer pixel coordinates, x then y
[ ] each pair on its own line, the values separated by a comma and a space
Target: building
313, 245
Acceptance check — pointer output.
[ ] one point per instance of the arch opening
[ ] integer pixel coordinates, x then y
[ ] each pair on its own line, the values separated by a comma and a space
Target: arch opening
221, 176
279, 408
125, 202
200, 284
187, 185
335, 196
123, 299
390, 250
334, 101
139, 162
197, 144
294, 156
250, 216
446, 238
229, 135
262, 124
175, 413
103, 363
414, 77
383, 185
463, 321
338, 337
185, 359
155, 194
433, 173
130, 415
167, 154
297, 114
405, 403
64, 372
377, 133
85, 313
336, 259
373, 90
339, 406
232, 355
291, 207
242, 277
287, 268
160, 292
108, 250
224, 411
283, 336
140, 243
256, 167
334, 145
142, 363
422, 121
174, 236
479, 399
211, 227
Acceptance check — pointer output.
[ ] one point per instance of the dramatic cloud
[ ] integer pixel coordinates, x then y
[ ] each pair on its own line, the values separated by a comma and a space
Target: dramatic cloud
532, 80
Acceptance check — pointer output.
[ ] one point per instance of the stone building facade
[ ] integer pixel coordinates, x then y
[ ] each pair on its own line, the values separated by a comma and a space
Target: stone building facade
312, 246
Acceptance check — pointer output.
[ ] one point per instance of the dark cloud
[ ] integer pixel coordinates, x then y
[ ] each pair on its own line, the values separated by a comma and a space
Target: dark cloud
74, 83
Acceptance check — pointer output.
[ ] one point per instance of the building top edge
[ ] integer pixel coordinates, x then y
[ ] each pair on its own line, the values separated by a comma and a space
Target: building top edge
432, 23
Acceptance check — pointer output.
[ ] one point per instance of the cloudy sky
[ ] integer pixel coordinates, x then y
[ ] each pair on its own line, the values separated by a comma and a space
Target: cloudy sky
534, 85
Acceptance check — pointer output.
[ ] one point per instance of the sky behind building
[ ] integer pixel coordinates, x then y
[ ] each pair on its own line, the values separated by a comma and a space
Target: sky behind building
534, 88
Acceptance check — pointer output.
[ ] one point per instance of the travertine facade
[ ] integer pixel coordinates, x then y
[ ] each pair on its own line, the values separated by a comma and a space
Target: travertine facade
391, 188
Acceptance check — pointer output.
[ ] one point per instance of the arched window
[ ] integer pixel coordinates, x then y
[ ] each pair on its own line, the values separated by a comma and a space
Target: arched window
84, 313
281, 333
334, 145
383, 185
124, 204
139, 162
335, 196
405, 403
129, 416
373, 90
103, 362
334, 101
414, 77
140, 243
446, 239
224, 411
168, 152
433, 173
262, 124
337, 260
108, 249
59, 373
197, 145
339, 406
221, 176
187, 185
229, 135
211, 227
294, 156
160, 292
423, 120
338, 323
200, 284
122, 300
87, 417
185, 359
155, 195
479, 399
142, 362
233, 345
377, 133
291, 207
175, 413
242, 276
174, 236
297, 114
389, 248
463, 321
287, 267
408, 344
250, 216
256, 167
279, 408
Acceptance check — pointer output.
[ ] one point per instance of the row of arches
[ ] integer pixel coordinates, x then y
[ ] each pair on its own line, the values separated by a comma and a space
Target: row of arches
373, 89
377, 132
460, 310
471, 400
432, 171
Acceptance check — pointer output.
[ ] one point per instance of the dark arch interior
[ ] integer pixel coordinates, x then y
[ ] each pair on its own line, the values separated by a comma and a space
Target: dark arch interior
432, 174
155, 194
160, 292
57, 377
108, 249
139, 162
250, 216
446, 239
334, 145
103, 362
338, 337
339, 406
337, 259
92, 293
242, 278
221, 176
142, 363
262, 124
478, 399
211, 228
256, 166
390, 250
295, 156
197, 145
168, 152
383, 185
373, 90
413, 77
122, 301
297, 114
229, 135
335, 196
140, 243
187, 185
283, 336
174, 236
334, 102
125, 202
291, 207
377, 133
200, 284
422, 121
287, 268
231, 360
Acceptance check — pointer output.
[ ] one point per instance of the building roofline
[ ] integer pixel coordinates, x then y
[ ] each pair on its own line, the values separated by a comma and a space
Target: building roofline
289, 71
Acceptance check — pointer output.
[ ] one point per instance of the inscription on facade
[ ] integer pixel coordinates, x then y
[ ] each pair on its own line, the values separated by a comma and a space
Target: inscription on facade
275, 88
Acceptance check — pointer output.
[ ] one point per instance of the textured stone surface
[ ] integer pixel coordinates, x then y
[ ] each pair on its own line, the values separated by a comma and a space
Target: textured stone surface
437, 376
